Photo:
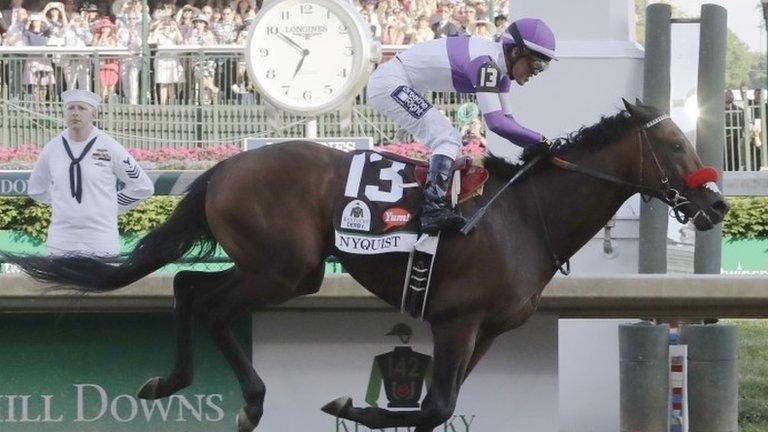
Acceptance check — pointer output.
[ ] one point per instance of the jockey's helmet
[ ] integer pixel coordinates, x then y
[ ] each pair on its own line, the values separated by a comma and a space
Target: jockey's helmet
533, 36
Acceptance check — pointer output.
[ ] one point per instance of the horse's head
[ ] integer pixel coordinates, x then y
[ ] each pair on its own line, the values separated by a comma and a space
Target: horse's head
671, 170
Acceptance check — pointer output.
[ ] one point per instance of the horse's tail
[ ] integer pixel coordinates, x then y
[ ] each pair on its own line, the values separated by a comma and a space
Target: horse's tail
183, 230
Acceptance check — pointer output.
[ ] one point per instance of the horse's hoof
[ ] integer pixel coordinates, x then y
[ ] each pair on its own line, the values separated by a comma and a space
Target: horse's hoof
149, 389
244, 423
338, 406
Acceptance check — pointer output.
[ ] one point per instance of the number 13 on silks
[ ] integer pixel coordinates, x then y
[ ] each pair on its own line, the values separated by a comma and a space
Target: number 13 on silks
392, 173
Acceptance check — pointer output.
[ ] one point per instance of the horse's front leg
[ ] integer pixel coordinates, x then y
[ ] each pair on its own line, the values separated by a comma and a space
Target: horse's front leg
454, 345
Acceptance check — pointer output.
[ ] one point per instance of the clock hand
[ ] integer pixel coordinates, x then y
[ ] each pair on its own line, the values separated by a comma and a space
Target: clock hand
304, 54
290, 42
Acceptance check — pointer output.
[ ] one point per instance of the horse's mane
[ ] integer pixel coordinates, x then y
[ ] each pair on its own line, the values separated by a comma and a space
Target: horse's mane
608, 129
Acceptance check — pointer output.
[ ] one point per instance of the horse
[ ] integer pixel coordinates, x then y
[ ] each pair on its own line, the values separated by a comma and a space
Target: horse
271, 210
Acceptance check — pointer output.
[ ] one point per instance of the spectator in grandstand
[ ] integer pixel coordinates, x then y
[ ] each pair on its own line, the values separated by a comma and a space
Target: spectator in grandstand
77, 68
242, 80
405, 20
423, 32
15, 34
166, 10
9, 16
130, 37
501, 7
393, 34
226, 31
204, 69
56, 19
168, 71
208, 12
481, 29
244, 8
38, 72
92, 14
373, 18
734, 122
76, 174
70, 9
480, 7
468, 18
109, 69
424, 7
501, 25
128, 7
445, 26
184, 18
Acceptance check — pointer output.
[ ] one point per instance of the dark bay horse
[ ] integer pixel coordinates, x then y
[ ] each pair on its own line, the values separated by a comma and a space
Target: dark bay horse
271, 211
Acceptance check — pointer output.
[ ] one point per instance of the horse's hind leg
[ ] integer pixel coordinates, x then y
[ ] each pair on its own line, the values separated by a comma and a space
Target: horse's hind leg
454, 346
185, 285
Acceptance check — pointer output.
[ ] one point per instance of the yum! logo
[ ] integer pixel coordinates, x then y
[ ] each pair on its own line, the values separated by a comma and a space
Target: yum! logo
395, 217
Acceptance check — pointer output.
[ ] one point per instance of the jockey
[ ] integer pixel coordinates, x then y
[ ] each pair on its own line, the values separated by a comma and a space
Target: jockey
467, 65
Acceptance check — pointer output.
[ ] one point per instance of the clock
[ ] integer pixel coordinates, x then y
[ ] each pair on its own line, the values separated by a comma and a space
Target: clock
310, 56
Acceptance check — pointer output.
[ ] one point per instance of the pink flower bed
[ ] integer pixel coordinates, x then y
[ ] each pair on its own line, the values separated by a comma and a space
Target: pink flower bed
474, 149
22, 153
212, 153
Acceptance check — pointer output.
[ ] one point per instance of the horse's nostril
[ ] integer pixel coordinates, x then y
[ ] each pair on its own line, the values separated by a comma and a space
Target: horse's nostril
720, 206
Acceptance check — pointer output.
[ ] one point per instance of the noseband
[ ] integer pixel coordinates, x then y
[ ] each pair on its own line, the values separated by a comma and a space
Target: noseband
665, 193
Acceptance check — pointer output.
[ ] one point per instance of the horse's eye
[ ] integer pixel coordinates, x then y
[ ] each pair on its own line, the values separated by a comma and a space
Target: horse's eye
677, 147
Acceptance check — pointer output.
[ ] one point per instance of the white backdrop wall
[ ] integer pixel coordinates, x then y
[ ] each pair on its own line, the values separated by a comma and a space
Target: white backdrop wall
600, 63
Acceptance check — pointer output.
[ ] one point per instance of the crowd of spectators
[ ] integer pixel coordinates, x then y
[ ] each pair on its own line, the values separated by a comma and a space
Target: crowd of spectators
72, 23
406, 22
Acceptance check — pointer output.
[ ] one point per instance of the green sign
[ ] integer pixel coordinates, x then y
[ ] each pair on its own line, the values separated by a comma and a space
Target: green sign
745, 256
81, 372
14, 183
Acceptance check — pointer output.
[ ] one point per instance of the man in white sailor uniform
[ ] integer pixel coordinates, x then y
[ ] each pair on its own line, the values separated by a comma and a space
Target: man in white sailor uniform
77, 173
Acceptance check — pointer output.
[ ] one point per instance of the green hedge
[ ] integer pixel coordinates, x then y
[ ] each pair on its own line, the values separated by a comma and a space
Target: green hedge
25, 215
748, 216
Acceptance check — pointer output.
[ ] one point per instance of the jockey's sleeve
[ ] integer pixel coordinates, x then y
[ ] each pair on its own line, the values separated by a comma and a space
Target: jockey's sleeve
40, 181
138, 185
490, 86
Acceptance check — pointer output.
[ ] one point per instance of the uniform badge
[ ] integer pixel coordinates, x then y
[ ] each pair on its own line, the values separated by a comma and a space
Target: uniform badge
411, 100
101, 155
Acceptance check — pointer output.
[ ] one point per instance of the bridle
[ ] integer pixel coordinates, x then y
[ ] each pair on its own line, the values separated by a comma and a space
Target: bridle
665, 193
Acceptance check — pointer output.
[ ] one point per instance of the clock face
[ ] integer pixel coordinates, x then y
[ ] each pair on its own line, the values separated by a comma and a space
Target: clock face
304, 54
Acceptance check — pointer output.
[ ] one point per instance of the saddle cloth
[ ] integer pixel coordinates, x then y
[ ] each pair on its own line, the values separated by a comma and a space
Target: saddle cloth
378, 211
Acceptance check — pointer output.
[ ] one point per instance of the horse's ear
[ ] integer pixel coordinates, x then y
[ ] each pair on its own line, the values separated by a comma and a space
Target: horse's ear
638, 102
629, 107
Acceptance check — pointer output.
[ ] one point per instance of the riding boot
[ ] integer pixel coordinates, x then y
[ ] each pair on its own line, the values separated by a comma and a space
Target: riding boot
436, 215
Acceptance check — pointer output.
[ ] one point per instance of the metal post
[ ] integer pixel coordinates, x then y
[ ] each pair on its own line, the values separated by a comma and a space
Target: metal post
145, 53
310, 130
644, 377
713, 384
491, 5
745, 149
760, 100
656, 92
710, 130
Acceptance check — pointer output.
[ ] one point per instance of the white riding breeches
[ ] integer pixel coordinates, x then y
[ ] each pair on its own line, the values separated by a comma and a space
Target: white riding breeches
391, 93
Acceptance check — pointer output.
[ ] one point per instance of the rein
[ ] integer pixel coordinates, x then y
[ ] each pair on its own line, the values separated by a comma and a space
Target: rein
667, 194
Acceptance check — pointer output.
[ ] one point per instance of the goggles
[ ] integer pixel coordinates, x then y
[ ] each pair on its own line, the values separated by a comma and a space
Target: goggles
539, 65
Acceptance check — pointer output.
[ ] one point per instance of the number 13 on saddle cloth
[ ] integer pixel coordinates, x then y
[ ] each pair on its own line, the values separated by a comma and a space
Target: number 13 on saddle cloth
378, 211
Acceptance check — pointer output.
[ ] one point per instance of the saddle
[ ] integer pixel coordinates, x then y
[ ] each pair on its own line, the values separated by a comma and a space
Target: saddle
472, 177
